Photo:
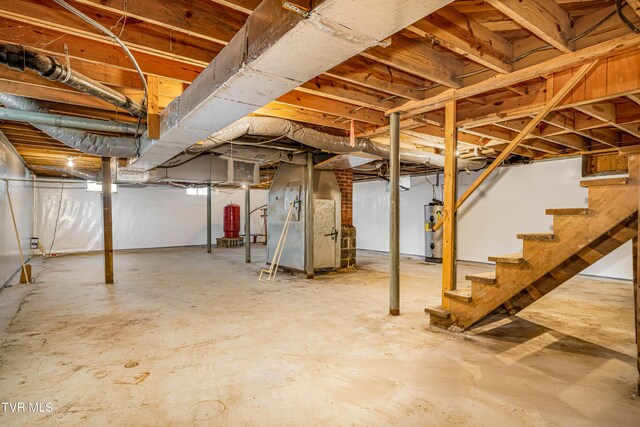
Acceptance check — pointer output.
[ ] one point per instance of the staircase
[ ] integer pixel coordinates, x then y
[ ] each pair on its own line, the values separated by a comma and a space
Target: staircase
581, 236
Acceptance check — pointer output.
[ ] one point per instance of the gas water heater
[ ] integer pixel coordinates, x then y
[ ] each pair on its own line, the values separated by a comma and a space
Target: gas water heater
432, 239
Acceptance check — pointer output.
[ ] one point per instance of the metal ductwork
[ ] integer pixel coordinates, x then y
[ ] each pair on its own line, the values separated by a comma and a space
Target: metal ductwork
16, 57
60, 120
277, 50
73, 172
281, 128
99, 145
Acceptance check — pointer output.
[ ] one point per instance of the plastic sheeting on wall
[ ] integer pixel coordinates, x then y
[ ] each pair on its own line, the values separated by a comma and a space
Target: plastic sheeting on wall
11, 166
513, 200
143, 217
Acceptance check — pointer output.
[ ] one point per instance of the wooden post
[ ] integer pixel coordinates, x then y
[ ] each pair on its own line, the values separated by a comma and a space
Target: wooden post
449, 214
394, 217
153, 110
106, 216
25, 269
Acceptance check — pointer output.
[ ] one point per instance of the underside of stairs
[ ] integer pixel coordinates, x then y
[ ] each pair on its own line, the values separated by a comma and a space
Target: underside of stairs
580, 237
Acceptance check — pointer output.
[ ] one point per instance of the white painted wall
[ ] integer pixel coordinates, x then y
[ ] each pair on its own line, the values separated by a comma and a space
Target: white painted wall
512, 201
11, 166
144, 217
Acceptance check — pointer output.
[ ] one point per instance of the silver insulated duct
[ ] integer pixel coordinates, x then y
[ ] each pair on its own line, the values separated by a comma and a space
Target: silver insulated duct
281, 128
278, 49
99, 145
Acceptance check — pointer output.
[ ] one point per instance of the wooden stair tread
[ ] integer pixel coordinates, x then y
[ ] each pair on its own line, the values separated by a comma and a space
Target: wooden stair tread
536, 236
616, 180
567, 211
489, 277
438, 311
516, 259
463, 295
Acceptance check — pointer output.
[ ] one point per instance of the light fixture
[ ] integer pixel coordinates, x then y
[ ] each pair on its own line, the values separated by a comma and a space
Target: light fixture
244, 187
70, 161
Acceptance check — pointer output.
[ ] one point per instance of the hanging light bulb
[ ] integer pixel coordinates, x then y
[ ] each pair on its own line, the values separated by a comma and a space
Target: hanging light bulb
70, 161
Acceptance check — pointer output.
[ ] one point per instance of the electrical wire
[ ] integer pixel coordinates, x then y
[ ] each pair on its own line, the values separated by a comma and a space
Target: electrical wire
571, 40
55, 228
624, 18
113, 36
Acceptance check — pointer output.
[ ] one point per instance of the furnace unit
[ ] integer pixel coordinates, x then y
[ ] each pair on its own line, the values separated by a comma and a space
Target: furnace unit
432, 239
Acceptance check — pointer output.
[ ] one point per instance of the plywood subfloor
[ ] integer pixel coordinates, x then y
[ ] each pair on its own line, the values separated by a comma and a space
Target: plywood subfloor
185, 338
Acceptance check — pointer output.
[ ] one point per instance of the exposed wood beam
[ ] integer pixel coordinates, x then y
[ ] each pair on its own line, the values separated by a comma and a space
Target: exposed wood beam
98, 52
346, 92
284, 111
606, 112
575, 142
635, 97
140, 37
602, 50
466, 37
244, 6
333, 107
407, 124
544, 18
635, 6
419, 59
449, 212
523, 134
198, 18
370, 74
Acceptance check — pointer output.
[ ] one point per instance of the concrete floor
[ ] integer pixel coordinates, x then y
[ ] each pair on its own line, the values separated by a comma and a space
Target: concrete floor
190, 338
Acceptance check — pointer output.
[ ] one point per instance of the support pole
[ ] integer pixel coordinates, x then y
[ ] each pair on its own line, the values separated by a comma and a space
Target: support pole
106, 217
394, 217
15, 228
247, 224
308, 219
449, 215
636, 305
209, 219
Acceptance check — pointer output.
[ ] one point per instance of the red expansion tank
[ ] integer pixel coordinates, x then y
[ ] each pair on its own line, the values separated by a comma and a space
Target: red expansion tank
231, 220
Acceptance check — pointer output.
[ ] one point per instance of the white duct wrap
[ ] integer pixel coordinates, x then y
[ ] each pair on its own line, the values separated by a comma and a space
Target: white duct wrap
282, 128
99, 145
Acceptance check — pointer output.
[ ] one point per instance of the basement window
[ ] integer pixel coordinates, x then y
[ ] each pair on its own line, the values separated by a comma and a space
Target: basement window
96, 187
192, 191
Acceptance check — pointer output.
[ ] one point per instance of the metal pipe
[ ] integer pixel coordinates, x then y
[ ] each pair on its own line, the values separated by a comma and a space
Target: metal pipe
394, 217
17, 58
247, 224
308, 219
100, 145
60, 120
209, 218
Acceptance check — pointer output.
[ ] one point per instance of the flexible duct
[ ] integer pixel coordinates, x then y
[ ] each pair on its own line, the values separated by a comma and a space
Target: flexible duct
17, 58
60, 120
99, 145
282, 128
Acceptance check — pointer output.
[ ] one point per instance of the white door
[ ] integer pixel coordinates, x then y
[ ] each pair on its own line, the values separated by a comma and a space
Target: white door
325, 239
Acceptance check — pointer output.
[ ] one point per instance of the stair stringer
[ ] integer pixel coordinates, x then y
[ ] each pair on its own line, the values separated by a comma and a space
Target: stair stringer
608, 207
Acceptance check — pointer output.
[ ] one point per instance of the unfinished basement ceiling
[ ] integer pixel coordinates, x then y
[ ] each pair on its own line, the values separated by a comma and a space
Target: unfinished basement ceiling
457, 46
